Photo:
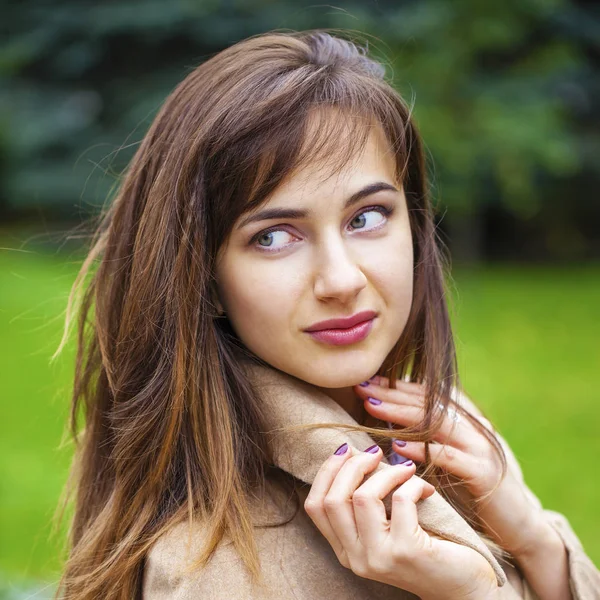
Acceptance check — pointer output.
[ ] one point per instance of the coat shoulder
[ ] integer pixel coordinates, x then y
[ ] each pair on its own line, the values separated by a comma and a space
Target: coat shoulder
172, 569
166, 561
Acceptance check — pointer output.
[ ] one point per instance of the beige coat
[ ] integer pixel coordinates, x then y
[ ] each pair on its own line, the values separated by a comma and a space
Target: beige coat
297, 562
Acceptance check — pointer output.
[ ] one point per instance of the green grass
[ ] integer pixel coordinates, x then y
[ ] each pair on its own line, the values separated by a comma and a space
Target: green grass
528, 349
34, 409
529, 354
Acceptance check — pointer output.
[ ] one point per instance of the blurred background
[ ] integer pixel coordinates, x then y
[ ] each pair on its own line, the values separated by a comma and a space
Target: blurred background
506, 97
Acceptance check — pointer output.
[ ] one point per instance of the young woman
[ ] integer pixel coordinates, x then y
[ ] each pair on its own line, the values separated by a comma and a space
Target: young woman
270, 249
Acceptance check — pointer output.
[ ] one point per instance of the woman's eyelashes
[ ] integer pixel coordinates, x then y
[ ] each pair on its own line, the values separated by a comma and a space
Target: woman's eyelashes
363, 224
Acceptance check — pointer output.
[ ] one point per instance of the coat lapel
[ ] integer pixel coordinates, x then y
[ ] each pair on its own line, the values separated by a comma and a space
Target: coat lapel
290, 403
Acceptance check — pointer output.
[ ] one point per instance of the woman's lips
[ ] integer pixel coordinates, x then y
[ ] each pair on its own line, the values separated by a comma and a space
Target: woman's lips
342, 337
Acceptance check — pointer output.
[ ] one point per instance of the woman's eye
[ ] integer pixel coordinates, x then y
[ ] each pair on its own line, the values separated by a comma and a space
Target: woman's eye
267, 240
268, 237
361, 218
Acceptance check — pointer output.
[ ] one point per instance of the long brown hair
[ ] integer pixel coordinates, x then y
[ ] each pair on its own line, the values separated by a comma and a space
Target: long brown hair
158, 382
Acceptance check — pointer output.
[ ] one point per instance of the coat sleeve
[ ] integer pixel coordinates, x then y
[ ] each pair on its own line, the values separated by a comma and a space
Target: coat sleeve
584, 576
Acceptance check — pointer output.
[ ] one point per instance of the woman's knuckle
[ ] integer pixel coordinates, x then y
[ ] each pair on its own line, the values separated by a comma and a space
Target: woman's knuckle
342, 557
399, 498
361, 498
450, 453
332, 502
312, 506
359, 567
375, 565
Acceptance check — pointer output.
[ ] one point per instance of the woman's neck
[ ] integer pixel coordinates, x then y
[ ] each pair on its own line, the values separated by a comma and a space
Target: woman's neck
351, 403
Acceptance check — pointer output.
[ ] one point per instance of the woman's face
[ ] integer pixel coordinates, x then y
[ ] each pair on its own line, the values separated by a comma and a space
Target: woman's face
334, 262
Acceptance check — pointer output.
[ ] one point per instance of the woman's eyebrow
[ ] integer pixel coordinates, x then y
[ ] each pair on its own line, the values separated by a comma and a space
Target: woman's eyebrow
297, 213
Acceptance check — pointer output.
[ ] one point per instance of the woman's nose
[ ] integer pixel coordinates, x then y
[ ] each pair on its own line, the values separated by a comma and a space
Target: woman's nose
338, 274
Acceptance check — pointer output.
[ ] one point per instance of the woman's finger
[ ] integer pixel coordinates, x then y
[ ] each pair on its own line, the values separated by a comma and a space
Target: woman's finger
408, 393
338, 500
413, 394
458, 430
369, 510
314, 503
451, 459
404, 521
459, 434
400, 408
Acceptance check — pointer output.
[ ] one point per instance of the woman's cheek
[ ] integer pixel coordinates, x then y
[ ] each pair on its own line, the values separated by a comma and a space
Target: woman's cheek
263, 307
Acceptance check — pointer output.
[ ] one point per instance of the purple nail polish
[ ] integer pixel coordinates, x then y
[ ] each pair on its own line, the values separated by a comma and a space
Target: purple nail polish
408, 463
400, 443
372, 449
364, 384
342, 449
398, 459
374, 401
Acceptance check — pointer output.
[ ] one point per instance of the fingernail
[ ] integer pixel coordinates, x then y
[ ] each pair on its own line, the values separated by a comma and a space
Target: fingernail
342, 449
374, 401
364, 384
400, 443
398, 459
372, 449
408, 463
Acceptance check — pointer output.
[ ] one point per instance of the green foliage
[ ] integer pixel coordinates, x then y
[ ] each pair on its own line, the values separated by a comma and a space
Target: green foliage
496, 87
487, 97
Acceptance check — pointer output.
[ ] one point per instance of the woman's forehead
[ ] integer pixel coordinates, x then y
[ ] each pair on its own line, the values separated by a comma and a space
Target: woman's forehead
339, 153
373, 157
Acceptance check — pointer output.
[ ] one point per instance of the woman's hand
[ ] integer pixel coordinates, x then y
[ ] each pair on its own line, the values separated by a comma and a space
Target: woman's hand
505, 512
350, 513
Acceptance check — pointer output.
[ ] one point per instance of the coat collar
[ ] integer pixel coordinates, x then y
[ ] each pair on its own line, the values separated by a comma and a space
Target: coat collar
289, 402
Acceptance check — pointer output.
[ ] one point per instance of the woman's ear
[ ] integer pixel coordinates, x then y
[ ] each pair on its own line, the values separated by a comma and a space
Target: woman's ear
214, 298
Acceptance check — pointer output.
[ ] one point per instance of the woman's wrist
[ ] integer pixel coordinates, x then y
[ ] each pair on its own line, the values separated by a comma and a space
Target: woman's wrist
482, 585
479, 594
545, 566
541, 540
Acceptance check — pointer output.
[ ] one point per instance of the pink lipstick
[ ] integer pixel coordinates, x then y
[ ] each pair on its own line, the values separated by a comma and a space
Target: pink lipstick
342, 337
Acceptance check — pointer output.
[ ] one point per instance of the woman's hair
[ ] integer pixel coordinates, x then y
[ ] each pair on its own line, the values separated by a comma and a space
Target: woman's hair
158, 380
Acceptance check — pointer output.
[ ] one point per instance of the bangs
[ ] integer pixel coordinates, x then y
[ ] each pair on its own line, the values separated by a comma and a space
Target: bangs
313, 114
329, 136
